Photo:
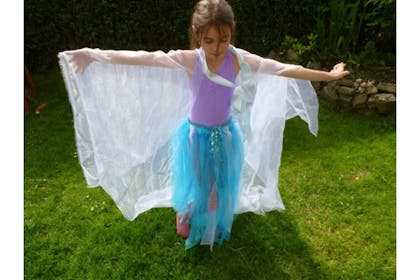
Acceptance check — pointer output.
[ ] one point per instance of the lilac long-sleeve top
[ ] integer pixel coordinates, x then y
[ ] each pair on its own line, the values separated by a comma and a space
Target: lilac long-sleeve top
211, 102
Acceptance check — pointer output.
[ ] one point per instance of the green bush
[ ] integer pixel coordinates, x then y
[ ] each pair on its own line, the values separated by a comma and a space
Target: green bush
51, 27
343, 29
359, 31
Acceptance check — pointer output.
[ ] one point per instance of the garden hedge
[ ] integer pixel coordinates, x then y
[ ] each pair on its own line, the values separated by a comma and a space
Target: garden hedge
52, 26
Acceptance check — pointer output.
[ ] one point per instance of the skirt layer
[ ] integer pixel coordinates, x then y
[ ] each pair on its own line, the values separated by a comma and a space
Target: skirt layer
206, 170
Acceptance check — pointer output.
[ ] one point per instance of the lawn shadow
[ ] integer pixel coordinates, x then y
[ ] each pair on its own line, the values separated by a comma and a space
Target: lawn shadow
261, 247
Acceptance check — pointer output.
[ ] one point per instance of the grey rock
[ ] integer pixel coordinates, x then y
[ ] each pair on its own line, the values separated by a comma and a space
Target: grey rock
349, 91
329, 94
359, 101
371, 103
383, 102
372, 90
346, 100
387, 87
345, 82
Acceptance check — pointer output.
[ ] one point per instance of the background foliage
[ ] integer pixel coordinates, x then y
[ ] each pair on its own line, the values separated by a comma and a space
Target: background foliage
354, 31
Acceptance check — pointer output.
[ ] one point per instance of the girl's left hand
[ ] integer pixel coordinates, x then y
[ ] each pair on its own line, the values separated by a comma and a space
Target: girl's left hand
80, 59
338, 71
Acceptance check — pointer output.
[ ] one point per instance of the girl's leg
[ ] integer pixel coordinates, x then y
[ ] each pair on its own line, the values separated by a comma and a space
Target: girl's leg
213, 200
183, 228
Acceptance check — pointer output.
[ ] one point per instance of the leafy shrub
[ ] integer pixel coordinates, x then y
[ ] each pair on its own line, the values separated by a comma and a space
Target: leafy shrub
341, 27
355, 31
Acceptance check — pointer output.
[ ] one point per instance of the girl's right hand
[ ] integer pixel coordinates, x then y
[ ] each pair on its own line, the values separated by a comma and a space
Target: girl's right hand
80, 59
339, 71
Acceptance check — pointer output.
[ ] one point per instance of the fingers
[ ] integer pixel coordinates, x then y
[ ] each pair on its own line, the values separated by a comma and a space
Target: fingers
78, 66
78, 62
74, 63
340, 65
343, 73
338, 71
79, 59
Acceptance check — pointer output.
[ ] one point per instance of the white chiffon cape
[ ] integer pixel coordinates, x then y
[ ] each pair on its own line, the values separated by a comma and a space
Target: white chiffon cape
124, 116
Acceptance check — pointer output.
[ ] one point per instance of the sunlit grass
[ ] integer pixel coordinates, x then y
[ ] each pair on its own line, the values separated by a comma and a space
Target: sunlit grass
338, 188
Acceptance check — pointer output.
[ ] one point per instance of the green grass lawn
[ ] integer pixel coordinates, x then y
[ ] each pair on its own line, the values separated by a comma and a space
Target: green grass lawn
339, 190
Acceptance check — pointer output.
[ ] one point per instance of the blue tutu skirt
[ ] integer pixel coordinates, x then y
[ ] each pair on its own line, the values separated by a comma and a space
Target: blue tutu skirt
206, 170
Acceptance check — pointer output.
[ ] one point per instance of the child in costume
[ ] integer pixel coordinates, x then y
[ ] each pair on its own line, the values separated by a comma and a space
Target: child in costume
134, 139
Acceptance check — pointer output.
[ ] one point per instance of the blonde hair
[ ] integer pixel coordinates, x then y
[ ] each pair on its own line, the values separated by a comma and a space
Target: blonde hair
210, 12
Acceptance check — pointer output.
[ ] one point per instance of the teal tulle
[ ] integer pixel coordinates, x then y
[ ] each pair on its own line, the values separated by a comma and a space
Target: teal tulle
206, 170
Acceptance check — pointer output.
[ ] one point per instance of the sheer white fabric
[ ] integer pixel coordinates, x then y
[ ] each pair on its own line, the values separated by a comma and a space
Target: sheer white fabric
124, 116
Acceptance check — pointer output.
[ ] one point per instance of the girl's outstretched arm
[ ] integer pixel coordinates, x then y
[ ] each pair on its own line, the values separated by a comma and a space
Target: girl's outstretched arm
303, 73
81, 58
270, 66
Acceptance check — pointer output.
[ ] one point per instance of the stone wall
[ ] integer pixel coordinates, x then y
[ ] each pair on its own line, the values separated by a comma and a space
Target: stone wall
359, 94
355, 94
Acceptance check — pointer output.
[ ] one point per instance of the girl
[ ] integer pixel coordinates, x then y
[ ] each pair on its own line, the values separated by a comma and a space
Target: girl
127, 105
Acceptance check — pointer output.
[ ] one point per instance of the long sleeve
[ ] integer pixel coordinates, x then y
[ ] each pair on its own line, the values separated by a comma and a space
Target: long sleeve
301, 99
265, 65
173, 59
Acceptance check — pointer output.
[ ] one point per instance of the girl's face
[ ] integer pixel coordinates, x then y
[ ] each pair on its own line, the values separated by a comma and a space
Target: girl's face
215, 41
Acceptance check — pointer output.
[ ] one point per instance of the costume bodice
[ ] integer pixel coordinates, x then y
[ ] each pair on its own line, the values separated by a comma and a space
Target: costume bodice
210, 102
